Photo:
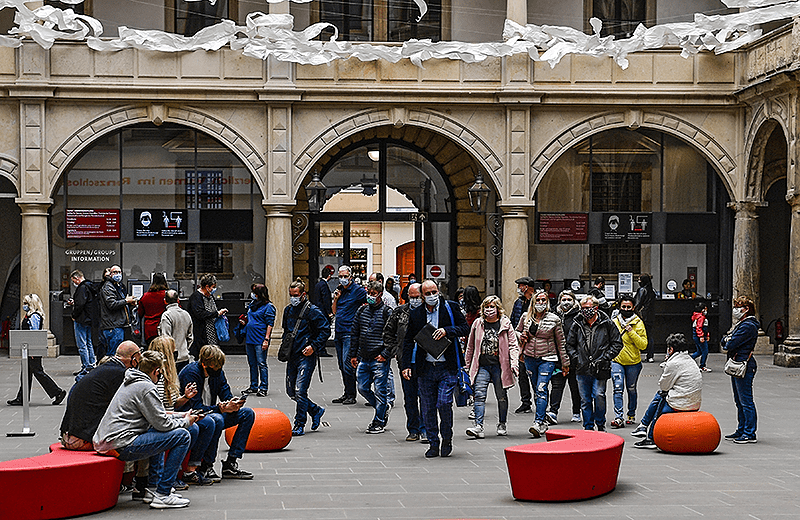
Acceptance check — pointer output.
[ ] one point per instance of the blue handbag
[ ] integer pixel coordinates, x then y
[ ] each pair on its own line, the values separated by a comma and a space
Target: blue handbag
463, 387
221, 324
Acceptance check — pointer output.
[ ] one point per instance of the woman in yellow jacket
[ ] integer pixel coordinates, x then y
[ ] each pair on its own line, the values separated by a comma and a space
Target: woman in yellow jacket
625, 368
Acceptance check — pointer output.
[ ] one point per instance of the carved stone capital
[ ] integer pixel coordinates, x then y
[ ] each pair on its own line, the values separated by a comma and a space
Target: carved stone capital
747, 209
793, 198
278, 210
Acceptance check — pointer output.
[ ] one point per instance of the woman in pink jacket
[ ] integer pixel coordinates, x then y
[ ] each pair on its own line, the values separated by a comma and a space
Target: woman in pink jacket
492, 354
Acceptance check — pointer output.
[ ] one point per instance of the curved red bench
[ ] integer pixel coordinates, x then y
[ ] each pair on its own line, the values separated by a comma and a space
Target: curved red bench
59, 484
272, 430
687, 432
572, 465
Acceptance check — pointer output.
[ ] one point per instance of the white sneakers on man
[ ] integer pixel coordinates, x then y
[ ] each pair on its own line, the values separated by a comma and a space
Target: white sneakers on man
172, 500
476, 431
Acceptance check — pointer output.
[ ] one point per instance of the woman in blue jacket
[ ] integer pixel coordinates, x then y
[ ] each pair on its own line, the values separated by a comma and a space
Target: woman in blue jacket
260, 320
739, 343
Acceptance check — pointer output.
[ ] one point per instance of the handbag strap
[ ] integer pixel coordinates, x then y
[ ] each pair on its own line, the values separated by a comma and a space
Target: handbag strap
455, 342
300, 317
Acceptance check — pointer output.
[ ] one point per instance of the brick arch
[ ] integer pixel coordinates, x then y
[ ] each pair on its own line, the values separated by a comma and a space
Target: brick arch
667, 123
9, 170
434, 122
769, 116
111, 121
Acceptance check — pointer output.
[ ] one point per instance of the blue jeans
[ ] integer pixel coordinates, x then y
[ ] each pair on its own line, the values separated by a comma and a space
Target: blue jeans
700, 350
593, 401
347, 370
540, 372
373, 372
202, 433
743, 397
490, 374
83, 338
152, 444
436, 387
257, 359
658, 407
298, 378
411, 405
113, 337
244, 419
625, 376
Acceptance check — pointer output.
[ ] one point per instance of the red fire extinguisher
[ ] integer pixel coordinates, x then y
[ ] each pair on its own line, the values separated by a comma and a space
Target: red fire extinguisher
778, 331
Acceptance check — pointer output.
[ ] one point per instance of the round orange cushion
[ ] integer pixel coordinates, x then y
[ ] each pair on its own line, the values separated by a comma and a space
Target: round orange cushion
272, 430
687, 432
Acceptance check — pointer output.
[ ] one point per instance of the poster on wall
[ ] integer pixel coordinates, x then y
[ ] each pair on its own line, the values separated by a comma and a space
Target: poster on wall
92, 224
159, 224
627, 227
563, 227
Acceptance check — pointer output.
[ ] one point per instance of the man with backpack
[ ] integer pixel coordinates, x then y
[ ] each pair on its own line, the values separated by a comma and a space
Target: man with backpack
82, 318
114, 312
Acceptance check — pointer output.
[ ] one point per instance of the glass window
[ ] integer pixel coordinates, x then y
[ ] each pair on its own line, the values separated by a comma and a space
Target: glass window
353, 182
352, 18
403, 23
76, 8
190, 17
393, 21
417, 179
620, 17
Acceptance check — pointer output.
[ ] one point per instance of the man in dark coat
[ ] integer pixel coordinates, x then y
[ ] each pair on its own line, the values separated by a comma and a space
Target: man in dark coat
322, 297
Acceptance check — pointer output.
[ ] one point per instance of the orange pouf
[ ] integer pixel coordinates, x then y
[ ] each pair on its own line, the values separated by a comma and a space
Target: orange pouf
272, 430
572, 465
687, 432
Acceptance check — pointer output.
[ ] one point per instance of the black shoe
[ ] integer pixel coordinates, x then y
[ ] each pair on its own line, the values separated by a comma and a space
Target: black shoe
211, 475
325, 354
14, 402
646, 444
432, 452
262, 393
339, 400
231, 470
349, 400
197, 477
447, 449
249, 391
60, 397
525, 408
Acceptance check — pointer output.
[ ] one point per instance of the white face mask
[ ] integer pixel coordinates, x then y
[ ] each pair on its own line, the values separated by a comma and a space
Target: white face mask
520, 292
738, 313
490, 313
432, 299
540, 307
294, 301
566, 305
414, 302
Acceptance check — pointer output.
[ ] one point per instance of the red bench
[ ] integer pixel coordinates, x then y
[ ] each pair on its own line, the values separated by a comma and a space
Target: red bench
59, 484
572, 465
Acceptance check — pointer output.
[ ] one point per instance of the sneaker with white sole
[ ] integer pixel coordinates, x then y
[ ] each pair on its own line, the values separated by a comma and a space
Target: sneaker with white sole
646, 444
168, 501
149, 494
551, 418
576, 417
476, 431
640, 431
501, 429
537, 429
471, 415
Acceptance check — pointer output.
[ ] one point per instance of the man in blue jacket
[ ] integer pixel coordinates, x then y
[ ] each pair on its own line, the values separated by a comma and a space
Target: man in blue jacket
347, 298
312, 333
437, 377
212, 385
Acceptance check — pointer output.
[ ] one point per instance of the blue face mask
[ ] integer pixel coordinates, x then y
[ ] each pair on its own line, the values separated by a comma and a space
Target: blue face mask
116, 277
26, 307
294, 301
346, 281
372, 299
253, 296
214, 290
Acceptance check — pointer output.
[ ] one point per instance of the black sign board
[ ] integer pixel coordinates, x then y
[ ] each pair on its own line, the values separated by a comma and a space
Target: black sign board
83, 224
160, 224
627, 227
563, 227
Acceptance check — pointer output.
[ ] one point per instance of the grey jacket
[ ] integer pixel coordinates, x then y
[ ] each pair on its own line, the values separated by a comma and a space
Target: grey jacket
177, 324
134, 409
113, 308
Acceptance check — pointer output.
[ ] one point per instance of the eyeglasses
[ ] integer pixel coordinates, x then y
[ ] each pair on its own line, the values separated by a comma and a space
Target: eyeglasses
626, 307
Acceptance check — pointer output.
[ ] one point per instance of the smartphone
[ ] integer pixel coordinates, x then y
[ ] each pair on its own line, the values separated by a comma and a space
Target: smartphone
241, 398
200, 413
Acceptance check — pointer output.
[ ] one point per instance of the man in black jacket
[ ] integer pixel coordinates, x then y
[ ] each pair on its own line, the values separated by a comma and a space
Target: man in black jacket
82, 322
114, 311
322, 297
370, 357
592, 343
437, 377
643, 306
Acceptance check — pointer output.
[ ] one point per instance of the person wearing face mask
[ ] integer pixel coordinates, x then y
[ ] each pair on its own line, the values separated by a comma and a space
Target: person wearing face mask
645, 302
203, 308
394, 334
33, 320
347, 298
370, 356
739, 343
322, 297
313, 330
177, 324
260, 320
82, 322
437, 377
598, 291
151, 307
492, 354
115, 310
627, 366
700, 335
542, 344
525, 288
567, 309
593, 341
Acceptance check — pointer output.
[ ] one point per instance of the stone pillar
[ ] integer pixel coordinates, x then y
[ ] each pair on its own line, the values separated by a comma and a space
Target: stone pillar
746, 260
278, 272
788, 354
517, 11
34, 255
515, 251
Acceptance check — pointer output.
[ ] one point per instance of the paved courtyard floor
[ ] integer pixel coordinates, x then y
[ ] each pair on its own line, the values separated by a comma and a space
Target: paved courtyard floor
340, 472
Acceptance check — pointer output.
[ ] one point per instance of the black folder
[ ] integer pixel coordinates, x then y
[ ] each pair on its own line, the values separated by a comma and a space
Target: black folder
433, 347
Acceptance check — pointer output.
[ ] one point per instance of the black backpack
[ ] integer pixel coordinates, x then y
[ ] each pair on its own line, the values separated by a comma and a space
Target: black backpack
93, 300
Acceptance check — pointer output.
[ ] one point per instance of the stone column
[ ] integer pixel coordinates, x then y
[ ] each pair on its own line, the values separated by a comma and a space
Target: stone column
515, 251
788, 354
746, 260
34, 255
517, 11
278, 273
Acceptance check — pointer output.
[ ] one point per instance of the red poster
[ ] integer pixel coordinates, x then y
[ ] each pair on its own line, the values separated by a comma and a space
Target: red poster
83, 224
563, 227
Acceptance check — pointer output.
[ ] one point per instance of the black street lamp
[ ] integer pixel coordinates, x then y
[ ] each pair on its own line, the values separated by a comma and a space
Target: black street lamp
315, 192
478, 194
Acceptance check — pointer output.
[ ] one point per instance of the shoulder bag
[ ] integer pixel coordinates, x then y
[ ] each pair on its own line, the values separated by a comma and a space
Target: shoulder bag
737, 368
463, 388
287, 342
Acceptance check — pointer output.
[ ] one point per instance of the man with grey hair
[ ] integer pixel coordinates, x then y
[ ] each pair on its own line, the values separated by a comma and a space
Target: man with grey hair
114, 312
387, 298
347, 298
593, 341
177, 324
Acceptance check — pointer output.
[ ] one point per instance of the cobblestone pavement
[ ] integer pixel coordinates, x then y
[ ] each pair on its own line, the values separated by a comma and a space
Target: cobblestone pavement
341, 472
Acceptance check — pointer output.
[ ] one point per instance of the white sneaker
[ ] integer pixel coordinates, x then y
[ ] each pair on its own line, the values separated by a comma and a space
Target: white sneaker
537, 429
168, 501
551, 418
476, 431
576, 417
471, 415
150, 493
501, 429
640, 431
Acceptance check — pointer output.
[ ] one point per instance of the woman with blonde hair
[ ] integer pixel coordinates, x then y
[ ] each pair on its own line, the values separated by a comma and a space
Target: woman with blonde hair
33, 319
492, 354
202, 431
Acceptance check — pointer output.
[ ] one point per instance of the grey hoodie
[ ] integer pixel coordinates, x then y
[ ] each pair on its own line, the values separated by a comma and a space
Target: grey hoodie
133, 410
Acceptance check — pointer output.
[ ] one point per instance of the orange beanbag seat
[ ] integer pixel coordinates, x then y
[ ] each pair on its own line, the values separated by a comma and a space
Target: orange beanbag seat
572, 465
272, 430
687, 432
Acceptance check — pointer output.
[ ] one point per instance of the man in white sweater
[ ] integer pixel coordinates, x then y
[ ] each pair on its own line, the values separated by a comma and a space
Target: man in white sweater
680, 385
